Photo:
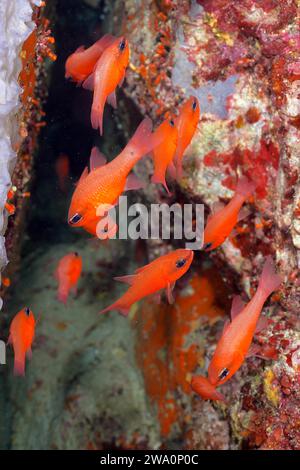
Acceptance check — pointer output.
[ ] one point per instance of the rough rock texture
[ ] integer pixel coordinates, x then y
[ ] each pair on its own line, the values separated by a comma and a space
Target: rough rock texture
107, 382
25, 43
241, 59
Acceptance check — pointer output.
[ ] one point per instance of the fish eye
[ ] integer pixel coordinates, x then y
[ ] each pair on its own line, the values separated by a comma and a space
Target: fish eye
27, 311
206, 246
75, 219
180, 263
75, 253
194, 105
172, 123
223, 373
122, 45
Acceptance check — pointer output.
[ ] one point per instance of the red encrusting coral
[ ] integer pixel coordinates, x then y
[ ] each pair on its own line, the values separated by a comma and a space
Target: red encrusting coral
256, 164
168, 349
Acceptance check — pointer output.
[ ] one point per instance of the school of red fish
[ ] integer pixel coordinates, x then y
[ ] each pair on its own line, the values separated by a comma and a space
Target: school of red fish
101, 68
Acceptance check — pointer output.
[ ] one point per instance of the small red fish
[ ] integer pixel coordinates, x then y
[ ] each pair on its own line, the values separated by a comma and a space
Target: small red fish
205, 389
234, 344
221, 223
81, 63
164, 153
161, 273
67, 274
108, 74
21, 335
62, 168
106, 182
186, 123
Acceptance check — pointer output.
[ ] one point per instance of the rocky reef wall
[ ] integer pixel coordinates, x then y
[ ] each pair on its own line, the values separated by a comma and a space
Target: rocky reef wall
108, 382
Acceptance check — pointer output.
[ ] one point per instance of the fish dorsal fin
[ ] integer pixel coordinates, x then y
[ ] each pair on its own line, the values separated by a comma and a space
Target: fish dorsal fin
236, 307
79, 49
88, 84
133, 183
140, 270
129, 279
83, 176
243, 214
97, 159
217, 207
112, 100
226, 325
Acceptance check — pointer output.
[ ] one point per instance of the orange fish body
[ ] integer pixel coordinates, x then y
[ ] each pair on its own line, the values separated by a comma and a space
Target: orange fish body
81, 63
62, 167
67, 274
236, 339
21, 335
104, 185
108, 74
186, 123
205, 389
164, 153
161, 273
221, 224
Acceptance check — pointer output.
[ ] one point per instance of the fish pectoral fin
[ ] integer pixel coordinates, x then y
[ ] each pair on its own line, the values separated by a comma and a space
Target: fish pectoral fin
262, 324
237, 306
97, 159
133, 183
254, 350
217, 207
88, 84
169, 290
171, 171
243, 214
112, 100
129, 279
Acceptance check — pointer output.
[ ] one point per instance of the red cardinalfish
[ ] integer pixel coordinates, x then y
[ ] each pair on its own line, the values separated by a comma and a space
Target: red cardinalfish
223, 220
205, 389
67, 274
164, 153
161, 273
81, 63
186, 124
234, 344
21, 335
108, 74
106, 182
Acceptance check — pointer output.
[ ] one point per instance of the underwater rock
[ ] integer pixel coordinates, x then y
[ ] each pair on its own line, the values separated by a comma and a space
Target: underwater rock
24, 41
241, 59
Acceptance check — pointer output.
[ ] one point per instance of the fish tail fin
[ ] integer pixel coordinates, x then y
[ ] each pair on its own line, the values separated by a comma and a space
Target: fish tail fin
269, 280
19, 365
116, 306
144, 141
141, 139
245, 187
158, 179
97, 118
205, 389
